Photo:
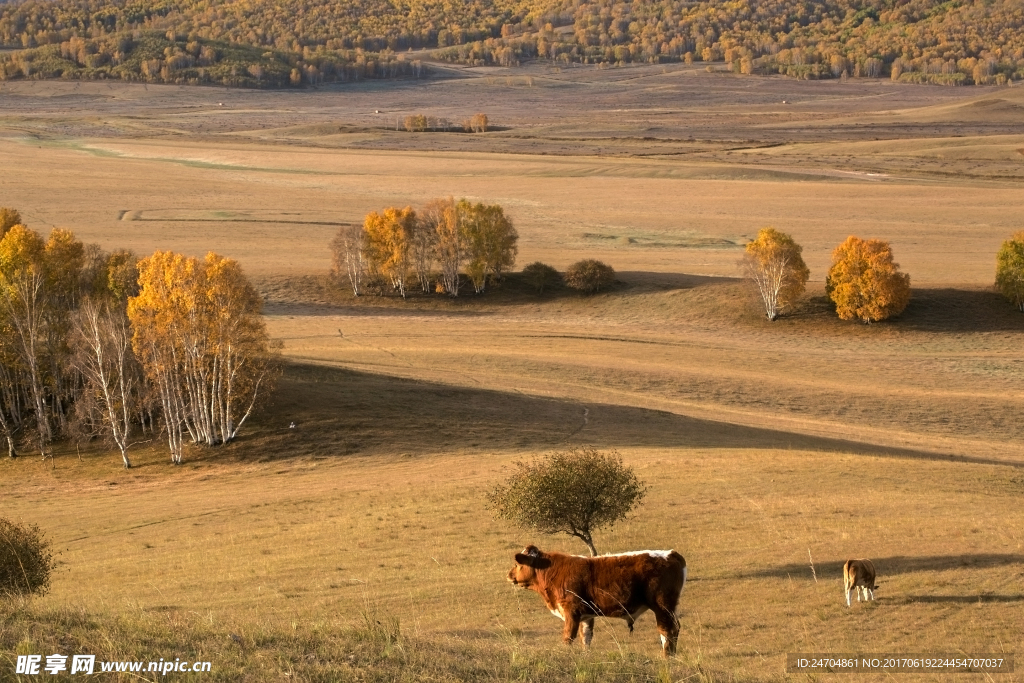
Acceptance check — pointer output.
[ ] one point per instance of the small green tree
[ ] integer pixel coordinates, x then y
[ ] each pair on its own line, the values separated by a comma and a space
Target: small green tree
1010, 269
491, 242
589, 276
541, 276
575, 492
26, 560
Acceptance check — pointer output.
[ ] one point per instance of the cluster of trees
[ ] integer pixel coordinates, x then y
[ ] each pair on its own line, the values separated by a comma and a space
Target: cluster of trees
151, 57
863, 282
419, 123
104, 344
436, 245
297, 42
924, 41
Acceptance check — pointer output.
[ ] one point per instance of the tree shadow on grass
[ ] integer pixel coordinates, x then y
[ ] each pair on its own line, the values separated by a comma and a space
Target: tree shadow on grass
339, 412
321, 296
960, 310
645, 280
955, 599
891, 566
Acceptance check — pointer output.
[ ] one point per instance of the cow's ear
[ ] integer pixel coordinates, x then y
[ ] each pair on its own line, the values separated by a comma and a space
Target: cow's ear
533, 557
529, 556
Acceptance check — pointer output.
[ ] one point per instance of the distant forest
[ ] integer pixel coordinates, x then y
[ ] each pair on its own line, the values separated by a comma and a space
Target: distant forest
298, 43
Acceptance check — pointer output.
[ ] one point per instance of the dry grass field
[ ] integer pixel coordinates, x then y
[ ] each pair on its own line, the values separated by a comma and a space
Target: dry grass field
358, 546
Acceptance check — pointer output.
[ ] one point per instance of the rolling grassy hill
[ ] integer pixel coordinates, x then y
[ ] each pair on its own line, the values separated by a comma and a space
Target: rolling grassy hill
358, 546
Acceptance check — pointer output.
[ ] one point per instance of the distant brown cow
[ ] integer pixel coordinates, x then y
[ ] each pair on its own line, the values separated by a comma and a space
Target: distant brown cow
859, 575
577, 589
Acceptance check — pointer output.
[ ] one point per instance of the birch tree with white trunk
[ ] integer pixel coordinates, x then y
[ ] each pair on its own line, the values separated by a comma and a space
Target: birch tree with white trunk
347, 256
110, 369
773, 262
202, 342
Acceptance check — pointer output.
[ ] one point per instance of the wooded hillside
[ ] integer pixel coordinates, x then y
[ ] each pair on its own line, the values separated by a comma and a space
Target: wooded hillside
302, 42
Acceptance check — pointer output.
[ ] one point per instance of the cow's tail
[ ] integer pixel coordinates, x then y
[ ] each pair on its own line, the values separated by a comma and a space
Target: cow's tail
681, 561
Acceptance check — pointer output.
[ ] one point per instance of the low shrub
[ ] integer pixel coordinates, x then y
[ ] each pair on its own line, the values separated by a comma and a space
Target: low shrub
26, 560
541, 276
589, 276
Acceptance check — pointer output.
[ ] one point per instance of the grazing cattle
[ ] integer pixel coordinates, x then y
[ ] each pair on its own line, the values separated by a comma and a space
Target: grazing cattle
859, 575
577, 589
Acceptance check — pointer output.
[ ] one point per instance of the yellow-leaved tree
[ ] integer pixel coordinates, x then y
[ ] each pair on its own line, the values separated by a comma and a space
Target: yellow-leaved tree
39, 288
443, 217
774, 264
203, 344
1010, 269
865, 283
389, 237
8, 219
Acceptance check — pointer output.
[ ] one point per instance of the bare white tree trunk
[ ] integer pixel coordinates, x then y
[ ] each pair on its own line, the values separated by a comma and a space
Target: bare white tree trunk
451, 242
110, 369
769, 276
24, 306
347, 256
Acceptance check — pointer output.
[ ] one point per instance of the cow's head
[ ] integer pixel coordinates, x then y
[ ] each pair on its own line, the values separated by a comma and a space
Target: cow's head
524, 571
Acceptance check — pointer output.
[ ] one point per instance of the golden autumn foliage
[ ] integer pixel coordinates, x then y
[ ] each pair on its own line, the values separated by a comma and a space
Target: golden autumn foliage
1010, 269
476, 123
203, 344
455, 236
8, 219
774, 264
388, 239
39, 288
91, 341
442, 216
864, 283
302, 42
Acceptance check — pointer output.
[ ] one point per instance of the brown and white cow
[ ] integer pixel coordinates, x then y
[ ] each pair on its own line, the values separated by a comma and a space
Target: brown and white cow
577, 589
859, 575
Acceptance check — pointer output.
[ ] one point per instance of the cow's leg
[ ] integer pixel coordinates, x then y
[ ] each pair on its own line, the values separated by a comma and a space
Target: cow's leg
871, 593
587, 625
668, 627
572, 627
849, 595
